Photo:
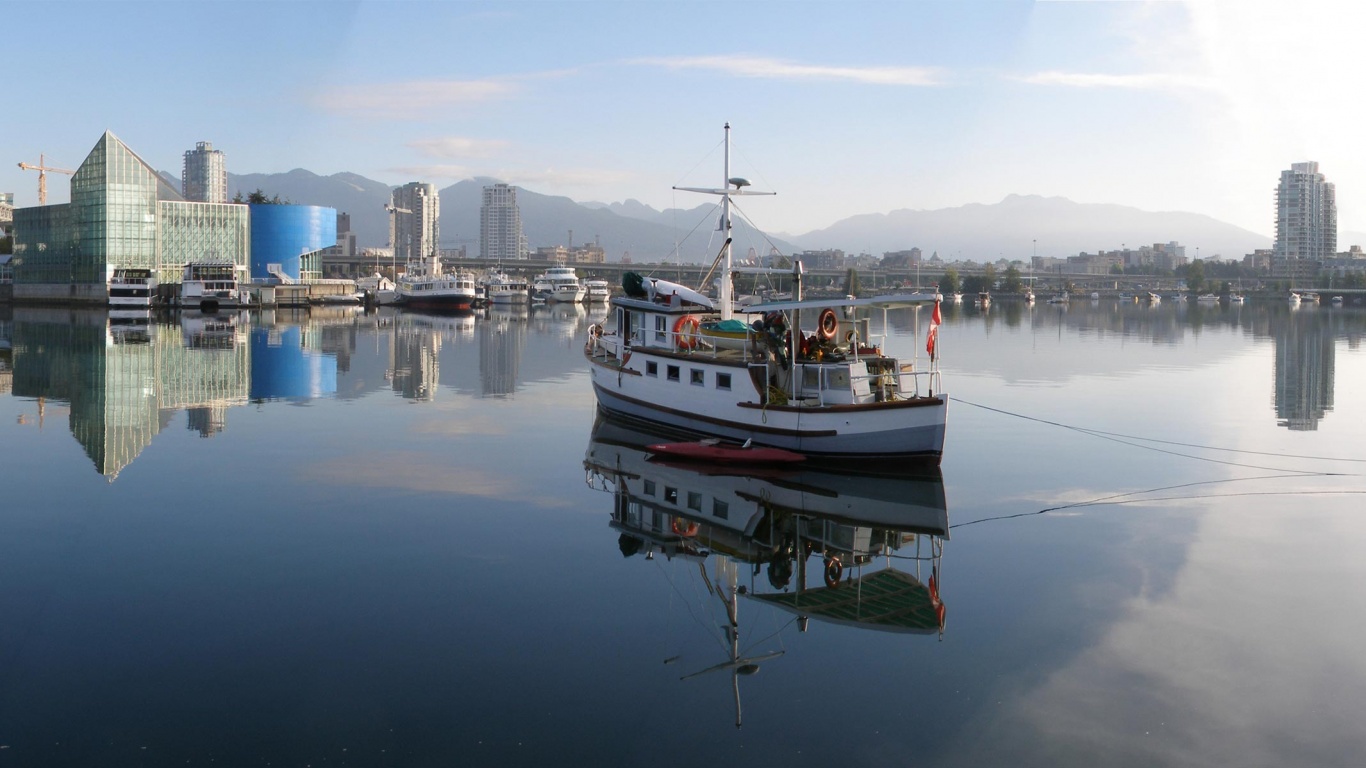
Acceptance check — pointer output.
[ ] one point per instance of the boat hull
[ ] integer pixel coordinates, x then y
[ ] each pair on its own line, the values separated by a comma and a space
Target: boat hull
842, 434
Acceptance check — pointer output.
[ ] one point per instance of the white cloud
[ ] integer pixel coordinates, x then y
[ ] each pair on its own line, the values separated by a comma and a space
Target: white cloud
451, 147
435, 171
1151, 81
411, 99
778, 69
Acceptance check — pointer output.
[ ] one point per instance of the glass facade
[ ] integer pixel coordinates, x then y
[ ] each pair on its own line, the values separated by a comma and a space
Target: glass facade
210, 233
123, 214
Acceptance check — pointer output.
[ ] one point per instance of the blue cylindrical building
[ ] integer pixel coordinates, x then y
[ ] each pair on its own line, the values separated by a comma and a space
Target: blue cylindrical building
291, 236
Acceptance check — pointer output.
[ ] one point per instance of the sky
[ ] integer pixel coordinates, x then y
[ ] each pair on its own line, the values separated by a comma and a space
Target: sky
841, 108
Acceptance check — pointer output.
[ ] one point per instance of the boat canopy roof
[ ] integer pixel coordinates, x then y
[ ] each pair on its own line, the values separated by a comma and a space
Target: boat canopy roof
887, 600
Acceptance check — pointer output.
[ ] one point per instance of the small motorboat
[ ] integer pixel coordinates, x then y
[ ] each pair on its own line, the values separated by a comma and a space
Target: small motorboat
717, 451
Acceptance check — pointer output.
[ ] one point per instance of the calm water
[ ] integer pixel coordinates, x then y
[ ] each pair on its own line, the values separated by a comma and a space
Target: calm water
349, 539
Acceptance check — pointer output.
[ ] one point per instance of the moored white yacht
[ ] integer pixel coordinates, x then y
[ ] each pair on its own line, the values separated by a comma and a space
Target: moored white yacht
502, 288
210, 285
131, 288
559, 284
832, 393
597, 291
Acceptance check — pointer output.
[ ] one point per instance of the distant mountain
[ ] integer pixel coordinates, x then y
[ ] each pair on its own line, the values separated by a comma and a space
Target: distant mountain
977, 231
1009, 228
349, 193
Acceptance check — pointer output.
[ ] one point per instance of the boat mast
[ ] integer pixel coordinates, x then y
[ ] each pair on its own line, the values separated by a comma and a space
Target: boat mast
724, 295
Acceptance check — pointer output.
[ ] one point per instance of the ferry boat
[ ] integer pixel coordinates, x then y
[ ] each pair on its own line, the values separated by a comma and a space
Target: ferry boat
833, 393
131, 288
425, 285
559, 284
598, 291
502, 288
209, 286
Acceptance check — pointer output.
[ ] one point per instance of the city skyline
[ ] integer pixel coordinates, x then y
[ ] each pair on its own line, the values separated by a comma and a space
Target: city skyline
843, 110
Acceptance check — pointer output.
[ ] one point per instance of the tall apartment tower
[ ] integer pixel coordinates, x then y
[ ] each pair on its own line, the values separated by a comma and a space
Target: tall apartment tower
205, 176
1306, 220
500, 224
414, 228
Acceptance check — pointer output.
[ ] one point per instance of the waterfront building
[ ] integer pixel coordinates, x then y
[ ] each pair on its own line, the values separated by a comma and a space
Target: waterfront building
1306, 221
122, 215
204, 178
500, 224
414, 228
287, 241
6, 212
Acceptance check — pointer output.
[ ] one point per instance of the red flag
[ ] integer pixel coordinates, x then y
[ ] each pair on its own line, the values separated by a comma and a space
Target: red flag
930, 342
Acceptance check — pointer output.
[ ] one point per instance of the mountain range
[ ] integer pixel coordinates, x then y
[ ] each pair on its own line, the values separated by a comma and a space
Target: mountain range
1011, 228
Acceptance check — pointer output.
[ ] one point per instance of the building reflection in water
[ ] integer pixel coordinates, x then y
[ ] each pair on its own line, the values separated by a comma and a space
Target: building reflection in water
124, 376
1305, 359
286, 366
502, 337
415, 370
852, 549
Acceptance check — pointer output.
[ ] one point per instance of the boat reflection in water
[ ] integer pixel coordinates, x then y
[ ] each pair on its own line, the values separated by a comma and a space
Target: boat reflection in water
850, 549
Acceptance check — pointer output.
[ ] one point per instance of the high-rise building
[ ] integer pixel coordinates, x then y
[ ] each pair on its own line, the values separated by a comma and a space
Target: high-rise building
1306, 220
500, 224
413, 230
205, 176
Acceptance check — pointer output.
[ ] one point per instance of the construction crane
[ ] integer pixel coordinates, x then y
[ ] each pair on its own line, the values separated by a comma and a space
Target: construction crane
42, 168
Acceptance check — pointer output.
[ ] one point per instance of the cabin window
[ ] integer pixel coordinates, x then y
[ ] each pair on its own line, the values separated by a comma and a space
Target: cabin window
649, 489
659, 327
837, 378
697, 377
720, 509
651, 368
670, 495
673, 373
723, 381
694, 501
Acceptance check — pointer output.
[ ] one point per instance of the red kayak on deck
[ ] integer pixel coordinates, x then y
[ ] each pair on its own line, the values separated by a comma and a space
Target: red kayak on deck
717, 451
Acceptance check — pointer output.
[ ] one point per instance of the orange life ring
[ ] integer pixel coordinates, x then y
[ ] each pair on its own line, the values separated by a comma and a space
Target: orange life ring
687, 339
829, 324
834, 569
684, 527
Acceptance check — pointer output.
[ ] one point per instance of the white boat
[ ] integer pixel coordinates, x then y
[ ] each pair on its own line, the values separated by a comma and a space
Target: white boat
503, 289
559, 284
983, 300
1095, 295
1336, 301
1294, 299
1207, 298
1028, 296
1309, 297
955, 298
832, 393
131, 288
426, 285
1235, 298
1152, 298
1060, 298
210, 285
598, 291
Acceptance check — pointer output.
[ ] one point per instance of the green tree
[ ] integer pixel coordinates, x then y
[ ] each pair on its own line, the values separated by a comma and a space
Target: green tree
1012, 282
950, 283
258, 197
1195, 276
989, 277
